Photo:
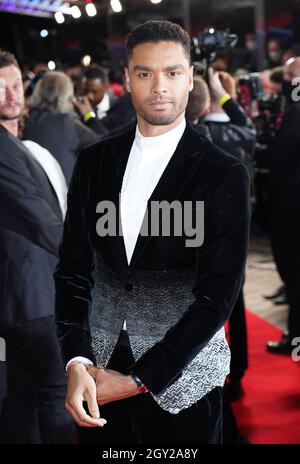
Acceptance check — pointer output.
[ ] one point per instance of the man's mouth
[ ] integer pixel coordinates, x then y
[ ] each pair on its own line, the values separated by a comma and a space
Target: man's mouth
160, 103
11, 105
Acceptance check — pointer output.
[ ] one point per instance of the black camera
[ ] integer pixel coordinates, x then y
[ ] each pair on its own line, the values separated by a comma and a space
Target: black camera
250, 86
264, 110
209, 45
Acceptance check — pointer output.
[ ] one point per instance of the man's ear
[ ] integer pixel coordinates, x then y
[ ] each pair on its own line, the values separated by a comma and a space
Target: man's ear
127, 83
191, 78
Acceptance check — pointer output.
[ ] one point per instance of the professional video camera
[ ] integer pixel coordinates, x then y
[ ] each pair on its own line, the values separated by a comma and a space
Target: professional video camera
208, 46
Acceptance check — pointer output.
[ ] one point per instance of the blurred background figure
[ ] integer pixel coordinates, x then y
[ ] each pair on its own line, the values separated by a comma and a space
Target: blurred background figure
199, 106
275, 50
228, 123
53, 124
75, 73
96, 88
284, 205
278, 52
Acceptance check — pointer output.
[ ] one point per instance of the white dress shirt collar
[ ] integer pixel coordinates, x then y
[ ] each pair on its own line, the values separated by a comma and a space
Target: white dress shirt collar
160, 141
53, 171
103, 106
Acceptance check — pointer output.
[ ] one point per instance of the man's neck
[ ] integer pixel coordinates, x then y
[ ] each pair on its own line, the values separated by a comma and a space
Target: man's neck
11, 126
149, 130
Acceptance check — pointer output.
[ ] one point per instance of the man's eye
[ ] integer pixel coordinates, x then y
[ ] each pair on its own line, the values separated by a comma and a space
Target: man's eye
173, 73
144, 75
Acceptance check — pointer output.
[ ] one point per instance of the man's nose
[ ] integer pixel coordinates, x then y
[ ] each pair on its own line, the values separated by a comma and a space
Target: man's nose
9, 94
159, 86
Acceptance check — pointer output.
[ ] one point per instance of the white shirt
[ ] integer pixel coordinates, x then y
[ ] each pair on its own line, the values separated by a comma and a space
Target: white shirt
148, 158
103, 106
53, 171
217, 117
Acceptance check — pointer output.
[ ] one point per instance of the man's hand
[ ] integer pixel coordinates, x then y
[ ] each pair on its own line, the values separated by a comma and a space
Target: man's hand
83, 105
82, 387
111, 385
215, 85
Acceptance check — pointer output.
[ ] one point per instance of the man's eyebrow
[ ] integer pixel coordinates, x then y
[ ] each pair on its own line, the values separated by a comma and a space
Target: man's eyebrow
139, 67
173, 67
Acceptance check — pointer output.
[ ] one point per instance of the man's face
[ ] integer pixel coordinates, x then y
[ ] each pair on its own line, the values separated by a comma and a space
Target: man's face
95, 90
11, 93
159, 78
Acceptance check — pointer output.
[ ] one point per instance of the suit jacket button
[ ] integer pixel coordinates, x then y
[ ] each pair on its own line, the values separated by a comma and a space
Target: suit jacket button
128, 287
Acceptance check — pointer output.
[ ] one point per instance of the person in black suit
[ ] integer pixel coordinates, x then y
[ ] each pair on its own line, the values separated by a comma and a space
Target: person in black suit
154, 324
284, 205
30, 231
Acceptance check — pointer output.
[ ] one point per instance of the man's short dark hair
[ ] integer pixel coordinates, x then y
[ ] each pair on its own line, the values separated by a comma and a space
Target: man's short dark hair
96, 72
7, 59
157, 31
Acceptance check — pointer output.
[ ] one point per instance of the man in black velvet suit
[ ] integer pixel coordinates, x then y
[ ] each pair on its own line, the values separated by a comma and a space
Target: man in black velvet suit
30, 230
141, 315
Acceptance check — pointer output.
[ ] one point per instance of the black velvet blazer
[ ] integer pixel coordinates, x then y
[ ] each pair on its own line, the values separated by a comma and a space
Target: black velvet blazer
197, 171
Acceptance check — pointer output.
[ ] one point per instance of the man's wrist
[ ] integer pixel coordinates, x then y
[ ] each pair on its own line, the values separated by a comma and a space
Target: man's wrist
76, 366
79, 359
224, 99
140, 386
89, 115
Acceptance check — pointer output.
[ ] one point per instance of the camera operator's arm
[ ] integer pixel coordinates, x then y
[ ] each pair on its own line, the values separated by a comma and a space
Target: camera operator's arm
236, 113
233, 110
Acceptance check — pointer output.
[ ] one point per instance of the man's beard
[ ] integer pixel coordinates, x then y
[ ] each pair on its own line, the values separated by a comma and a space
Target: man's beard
159, 119
6, 116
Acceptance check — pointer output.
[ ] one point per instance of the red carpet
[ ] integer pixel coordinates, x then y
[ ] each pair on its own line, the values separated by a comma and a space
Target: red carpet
269, 412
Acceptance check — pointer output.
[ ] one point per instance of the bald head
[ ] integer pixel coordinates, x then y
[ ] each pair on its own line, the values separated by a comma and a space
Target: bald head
291, 68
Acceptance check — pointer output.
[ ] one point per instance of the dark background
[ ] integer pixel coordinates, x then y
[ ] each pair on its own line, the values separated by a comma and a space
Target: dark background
103, 35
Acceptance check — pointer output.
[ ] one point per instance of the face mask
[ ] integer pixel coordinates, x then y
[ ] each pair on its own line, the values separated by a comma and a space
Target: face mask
275, 56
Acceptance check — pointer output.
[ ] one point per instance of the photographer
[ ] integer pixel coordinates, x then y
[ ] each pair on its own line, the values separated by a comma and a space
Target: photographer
229, 125
284, 204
